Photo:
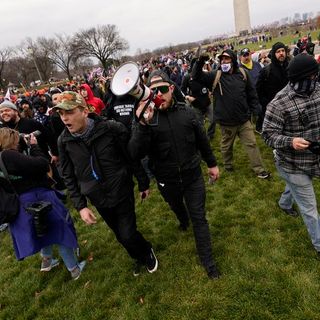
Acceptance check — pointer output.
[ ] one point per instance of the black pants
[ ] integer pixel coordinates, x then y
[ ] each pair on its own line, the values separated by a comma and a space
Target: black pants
189, 200
122, 220
260, 119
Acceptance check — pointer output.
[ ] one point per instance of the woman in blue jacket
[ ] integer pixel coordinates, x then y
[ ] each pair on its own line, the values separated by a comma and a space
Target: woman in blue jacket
28, 176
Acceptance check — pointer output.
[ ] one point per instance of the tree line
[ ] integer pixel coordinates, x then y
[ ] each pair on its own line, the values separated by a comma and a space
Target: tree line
42, 58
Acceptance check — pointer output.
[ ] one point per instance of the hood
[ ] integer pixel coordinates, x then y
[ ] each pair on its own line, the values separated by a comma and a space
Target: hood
274, 48
233, 56
89, 90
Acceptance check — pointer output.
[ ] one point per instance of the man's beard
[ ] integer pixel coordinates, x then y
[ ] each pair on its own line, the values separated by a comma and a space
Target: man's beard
11, 123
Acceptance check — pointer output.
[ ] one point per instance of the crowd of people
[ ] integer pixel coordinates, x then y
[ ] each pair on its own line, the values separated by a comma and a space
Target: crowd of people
82, 138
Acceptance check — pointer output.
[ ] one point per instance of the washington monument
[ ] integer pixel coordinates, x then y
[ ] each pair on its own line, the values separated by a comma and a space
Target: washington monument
242, 17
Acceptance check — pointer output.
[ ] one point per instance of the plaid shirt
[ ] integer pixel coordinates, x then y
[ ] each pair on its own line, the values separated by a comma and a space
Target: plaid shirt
289, 116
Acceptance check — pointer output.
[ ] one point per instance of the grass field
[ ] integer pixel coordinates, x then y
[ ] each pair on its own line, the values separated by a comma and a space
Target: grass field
288, 40
269, 267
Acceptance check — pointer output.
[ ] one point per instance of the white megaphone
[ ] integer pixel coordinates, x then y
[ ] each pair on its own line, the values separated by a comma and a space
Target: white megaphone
126, 80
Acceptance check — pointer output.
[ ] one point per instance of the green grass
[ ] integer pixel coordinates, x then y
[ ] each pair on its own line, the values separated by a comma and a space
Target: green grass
288, 40
269, 266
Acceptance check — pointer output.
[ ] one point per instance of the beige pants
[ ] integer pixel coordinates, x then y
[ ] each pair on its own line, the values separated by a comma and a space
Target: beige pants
247, 138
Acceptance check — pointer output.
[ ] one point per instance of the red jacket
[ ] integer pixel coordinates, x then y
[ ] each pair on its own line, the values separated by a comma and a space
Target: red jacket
92, 100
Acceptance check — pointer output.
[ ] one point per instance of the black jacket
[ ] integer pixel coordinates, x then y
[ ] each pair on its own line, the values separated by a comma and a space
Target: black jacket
28, 171
120, 108
173, 145
27, 126
99, 169
239, 97
271, 80
198, 90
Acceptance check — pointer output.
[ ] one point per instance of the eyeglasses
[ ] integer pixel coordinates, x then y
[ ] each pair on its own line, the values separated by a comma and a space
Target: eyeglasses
246, 55
162, 89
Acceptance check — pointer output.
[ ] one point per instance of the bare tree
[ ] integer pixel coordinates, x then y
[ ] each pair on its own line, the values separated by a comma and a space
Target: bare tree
40, 57
21, 70
103, 42
21, 67
4, 58
82, 65
142, 55
61, 51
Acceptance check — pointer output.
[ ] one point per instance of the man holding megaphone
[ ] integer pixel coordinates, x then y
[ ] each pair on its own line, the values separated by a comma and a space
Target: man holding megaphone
173, 143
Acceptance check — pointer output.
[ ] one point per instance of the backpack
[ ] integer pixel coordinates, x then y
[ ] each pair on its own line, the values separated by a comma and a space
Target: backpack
216, 80
9, 203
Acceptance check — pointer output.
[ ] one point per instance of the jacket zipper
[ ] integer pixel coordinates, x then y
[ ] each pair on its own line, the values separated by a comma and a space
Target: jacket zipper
176, 148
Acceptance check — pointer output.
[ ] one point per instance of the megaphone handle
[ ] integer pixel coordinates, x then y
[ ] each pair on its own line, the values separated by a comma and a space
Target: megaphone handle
145, 107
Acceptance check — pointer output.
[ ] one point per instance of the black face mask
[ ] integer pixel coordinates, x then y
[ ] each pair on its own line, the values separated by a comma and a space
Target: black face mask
304, 87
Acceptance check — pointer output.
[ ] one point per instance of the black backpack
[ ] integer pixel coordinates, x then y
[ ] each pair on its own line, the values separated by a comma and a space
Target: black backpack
9, 199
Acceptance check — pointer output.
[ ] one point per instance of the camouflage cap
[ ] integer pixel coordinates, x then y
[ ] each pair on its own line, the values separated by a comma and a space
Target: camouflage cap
69, 100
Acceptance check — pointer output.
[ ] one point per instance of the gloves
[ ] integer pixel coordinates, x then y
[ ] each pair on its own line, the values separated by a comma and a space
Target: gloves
203, 58
314, 147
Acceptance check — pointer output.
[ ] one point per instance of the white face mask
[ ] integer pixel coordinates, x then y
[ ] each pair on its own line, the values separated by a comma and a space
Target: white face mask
225, 67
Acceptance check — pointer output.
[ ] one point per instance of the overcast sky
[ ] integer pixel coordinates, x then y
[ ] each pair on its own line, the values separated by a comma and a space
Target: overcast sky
145, 24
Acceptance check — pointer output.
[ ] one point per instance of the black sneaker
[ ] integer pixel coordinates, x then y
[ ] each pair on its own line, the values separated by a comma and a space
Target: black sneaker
264, 175
137, 268
213, 272
151, 262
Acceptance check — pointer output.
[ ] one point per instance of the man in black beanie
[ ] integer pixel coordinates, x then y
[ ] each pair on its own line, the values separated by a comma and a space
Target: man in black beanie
292, 127
272, 79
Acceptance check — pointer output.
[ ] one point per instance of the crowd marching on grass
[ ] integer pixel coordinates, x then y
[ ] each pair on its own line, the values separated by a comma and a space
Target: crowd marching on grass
234, 198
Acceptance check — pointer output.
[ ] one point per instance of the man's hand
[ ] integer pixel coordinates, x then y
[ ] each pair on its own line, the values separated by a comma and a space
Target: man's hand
214, 173
190, 99
148, 114
87, 216
300, 144
54, 159
32, 140
203, 58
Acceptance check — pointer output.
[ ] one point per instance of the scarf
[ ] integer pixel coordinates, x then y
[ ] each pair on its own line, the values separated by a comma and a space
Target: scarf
86, 134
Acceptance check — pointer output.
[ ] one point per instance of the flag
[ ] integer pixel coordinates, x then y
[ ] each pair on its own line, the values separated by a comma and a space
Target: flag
7, 96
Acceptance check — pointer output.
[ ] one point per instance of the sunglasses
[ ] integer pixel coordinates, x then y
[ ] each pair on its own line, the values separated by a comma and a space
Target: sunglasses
162, 89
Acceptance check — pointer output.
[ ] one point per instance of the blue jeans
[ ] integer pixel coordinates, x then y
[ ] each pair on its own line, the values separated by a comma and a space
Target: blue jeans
299, 188
66, 253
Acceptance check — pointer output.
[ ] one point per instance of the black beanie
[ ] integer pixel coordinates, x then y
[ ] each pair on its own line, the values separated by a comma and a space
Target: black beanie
25, 101
277, 46
302, 66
